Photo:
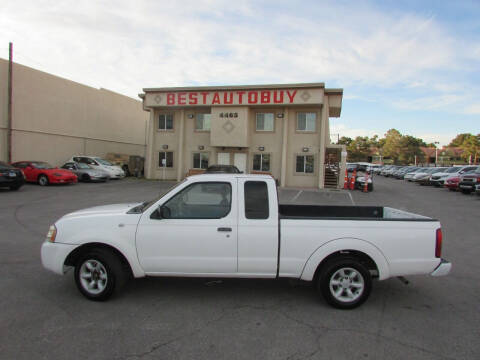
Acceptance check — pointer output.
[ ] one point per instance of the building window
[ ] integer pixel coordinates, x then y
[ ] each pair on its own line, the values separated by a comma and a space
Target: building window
168, 157
261, 162
200, 160
306, 121
304, 164
165, 122
203, 122
256, 200
264, 121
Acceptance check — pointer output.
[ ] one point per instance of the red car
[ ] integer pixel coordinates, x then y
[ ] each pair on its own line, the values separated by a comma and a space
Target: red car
451, 183
43, 173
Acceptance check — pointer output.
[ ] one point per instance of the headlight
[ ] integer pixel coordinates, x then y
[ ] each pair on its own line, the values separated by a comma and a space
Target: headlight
52, 233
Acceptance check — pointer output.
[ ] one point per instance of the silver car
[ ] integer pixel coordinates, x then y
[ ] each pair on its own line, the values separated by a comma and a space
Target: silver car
86, 173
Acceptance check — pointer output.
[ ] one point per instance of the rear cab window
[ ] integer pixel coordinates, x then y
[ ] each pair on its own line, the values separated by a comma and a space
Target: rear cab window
256, 200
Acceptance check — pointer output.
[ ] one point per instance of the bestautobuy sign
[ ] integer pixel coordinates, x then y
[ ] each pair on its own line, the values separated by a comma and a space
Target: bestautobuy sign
236, 97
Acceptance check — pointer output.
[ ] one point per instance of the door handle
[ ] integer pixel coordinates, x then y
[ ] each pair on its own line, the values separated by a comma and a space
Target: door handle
224, 229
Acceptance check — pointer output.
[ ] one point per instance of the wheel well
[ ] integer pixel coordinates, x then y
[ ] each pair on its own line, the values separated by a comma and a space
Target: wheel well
75, 254
364, 259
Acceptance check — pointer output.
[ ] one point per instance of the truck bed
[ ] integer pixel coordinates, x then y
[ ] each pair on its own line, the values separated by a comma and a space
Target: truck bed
312, 212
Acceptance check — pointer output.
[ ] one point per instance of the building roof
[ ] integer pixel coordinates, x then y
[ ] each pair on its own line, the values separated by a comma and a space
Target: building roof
241, 87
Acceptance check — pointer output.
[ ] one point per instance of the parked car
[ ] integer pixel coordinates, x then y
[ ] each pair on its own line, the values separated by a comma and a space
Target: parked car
438, 179
410, 174
115, 172
231, 225
399, 174
85, 173
222, 169
469, 181
477, 189
43, 173
10, 177
451, 183
423, 176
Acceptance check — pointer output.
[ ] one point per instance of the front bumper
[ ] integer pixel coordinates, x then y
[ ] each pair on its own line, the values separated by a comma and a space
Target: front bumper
442, 269
59, 180
438, 182
467, 185
54, 255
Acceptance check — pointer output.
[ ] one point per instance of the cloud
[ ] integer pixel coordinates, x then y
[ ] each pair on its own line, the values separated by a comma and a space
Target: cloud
473, 109
139, 44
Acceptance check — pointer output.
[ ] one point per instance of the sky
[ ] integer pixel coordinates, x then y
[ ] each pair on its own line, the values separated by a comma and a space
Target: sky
410, 65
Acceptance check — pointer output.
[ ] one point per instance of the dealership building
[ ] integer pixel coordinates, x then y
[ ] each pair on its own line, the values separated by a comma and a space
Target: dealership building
282, 130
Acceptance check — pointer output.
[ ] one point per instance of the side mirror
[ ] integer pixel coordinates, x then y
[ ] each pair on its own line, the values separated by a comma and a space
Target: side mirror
165, 212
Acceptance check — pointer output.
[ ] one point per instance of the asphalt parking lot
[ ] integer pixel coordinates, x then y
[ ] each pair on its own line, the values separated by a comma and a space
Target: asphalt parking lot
44, 317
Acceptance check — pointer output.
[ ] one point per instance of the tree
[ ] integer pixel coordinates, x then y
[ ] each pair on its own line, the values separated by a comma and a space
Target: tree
344, 140
391, 147
471, 148
460, 139
409, 149
359, 149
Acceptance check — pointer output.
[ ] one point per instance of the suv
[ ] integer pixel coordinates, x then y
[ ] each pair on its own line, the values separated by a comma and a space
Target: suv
469, 181
438, 179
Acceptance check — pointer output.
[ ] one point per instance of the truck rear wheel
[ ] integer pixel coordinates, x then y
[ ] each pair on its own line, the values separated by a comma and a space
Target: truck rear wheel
98, 274
344, 283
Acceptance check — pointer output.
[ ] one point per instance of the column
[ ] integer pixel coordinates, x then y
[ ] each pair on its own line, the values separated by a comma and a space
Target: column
180, 145
149, 153
283, 169
323, 129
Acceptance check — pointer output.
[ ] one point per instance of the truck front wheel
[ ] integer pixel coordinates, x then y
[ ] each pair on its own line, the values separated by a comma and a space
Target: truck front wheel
98, 274
344, 283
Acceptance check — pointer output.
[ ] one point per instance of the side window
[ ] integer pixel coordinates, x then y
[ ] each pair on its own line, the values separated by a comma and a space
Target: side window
261, 162
256, 200
203, 122
165, 159
304, 164
306, 121
208, 200
165, 122
69, 166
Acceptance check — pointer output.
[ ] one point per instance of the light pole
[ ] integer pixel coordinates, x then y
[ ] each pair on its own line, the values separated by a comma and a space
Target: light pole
436, 152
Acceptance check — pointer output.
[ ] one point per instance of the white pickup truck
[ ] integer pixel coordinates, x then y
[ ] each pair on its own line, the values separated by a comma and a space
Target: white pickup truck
231, 225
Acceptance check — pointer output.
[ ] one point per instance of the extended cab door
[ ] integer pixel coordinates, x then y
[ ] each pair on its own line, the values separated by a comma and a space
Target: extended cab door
194, 233
258, 236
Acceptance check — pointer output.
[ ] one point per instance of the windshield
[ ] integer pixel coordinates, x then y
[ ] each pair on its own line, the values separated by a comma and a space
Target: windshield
4, 166
453, 170
42, 165
82, 166
147, 204
103, 162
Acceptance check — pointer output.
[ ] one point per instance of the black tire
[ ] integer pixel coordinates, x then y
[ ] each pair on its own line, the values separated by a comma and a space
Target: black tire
113, 269
126, 170
85, 177
370, 187
43, 180
331, 271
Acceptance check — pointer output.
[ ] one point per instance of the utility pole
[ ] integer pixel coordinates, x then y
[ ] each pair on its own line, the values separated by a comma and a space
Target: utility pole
9, 110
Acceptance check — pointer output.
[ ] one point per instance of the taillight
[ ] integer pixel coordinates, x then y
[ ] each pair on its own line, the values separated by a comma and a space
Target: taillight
438, 244
478, 179
52, 234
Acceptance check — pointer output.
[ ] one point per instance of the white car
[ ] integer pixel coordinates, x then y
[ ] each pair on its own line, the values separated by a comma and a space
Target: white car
423, 176
231, 226
114, 171
439, 179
